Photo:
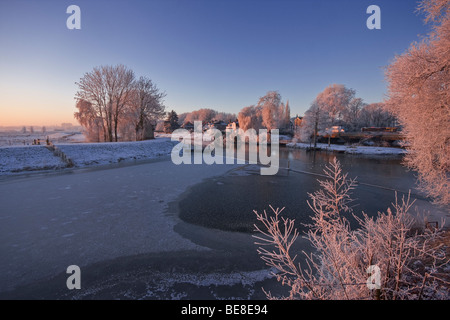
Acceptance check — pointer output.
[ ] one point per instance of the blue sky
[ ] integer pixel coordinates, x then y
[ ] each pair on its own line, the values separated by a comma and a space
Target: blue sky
220, 54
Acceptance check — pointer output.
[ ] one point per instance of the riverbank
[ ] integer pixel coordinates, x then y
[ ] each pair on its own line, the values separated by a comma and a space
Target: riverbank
362, 150
25, 159
35, 158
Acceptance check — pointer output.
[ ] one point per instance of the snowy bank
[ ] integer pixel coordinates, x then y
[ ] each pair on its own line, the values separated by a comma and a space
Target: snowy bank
350, 149
87, 154
28, 158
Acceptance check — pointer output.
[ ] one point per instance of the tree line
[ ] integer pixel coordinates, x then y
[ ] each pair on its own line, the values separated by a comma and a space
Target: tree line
338, 105
205, 115
270, 112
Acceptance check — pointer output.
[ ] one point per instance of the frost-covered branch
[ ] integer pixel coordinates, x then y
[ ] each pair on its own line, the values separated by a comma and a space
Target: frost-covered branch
408, 257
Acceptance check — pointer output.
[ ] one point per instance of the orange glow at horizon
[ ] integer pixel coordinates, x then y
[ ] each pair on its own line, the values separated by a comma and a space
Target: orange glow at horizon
36, 114
38, 107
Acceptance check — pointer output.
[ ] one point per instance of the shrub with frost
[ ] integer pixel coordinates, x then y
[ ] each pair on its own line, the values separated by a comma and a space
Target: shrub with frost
410, 258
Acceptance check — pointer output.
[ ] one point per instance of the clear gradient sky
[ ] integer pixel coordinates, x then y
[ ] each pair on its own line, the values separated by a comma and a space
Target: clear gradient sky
219, 54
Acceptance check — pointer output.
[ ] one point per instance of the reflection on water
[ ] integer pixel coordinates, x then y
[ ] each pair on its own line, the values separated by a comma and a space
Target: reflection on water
227, 202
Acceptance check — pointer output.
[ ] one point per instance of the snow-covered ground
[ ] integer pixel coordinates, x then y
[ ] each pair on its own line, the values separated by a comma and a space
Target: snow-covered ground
28, 158
15, 159
351, 149
87, 154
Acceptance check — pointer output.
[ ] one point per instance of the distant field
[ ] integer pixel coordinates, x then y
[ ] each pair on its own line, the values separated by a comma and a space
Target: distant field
23, 139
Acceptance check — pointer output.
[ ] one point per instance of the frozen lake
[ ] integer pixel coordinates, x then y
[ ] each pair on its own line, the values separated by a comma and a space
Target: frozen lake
157, 230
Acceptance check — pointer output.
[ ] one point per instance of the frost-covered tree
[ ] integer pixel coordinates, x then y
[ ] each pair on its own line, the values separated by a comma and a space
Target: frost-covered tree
122, 85
205, 115
336, 100
352, 114
272, 110
376, 115
88, 117
250, 118
270, 113
315, 121
107, 89
145, 107
225, 117
419, 95
111, 103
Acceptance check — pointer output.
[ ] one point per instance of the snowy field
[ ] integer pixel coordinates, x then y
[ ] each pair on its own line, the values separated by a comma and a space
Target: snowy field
351, 149
13, 138
88, 154
22, 158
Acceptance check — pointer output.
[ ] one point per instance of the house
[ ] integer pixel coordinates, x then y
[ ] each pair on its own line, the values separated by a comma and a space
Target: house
298, 121
220, 125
